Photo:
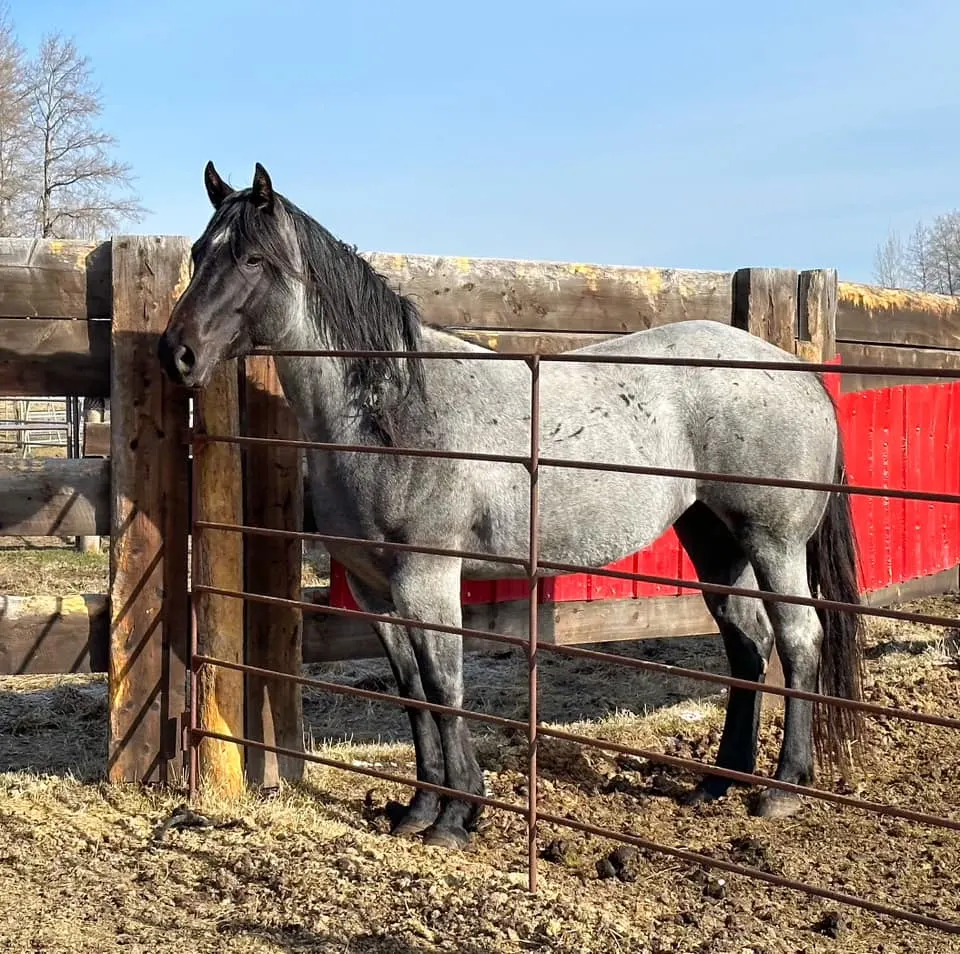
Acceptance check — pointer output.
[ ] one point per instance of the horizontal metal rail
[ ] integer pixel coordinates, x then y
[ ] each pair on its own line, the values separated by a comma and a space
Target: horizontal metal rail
561, 462
342, 611
682, 854
722, 589
693, 765
359, 542
574, 357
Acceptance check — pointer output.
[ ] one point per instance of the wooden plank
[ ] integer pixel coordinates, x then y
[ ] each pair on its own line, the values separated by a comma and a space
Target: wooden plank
873, 315
53, 497
43, 356
817, 315
219, 563
96, 439
936, 584
274, 487
655, 617
536, 342
150, 616
553, 296
54, 278
334, 638
53, 634
892, 356
765, 304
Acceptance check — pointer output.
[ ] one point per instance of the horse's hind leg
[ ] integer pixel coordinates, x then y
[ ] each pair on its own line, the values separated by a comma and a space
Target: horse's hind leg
747, 637
782, 568
424, 806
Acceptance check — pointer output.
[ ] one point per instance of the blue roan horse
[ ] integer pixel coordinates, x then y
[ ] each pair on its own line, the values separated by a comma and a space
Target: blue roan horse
265, 274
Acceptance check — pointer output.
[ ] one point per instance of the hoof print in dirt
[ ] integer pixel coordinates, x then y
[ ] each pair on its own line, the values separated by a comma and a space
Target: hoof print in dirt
752, 852
620, 863
831, 925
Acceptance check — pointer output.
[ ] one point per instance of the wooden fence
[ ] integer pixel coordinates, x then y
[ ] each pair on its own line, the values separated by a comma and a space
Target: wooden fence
83, 319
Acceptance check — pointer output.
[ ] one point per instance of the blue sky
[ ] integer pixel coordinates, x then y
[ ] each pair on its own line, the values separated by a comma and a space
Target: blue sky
685, 134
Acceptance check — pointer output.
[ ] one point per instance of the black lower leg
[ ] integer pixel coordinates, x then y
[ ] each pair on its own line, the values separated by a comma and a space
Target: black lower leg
799, 636
424, 806
748, 647
441, 667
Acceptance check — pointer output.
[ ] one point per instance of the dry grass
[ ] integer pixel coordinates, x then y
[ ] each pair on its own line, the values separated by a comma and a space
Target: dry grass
40, 566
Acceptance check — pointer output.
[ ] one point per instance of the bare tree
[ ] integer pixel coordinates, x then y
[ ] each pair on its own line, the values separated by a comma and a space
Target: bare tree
14, 132
945, 252
930, 260
919, 260
81, 190
890, 263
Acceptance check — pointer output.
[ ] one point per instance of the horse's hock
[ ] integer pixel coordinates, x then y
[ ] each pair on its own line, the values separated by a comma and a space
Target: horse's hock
81, 319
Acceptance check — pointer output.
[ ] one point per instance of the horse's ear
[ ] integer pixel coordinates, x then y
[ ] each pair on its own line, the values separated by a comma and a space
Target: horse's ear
262, 193
217, 189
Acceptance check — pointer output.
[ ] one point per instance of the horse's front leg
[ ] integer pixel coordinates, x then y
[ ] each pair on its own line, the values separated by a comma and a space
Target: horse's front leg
424, 806
427, 588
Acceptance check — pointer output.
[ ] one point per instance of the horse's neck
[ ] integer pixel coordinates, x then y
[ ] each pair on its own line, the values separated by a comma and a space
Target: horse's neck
314, 389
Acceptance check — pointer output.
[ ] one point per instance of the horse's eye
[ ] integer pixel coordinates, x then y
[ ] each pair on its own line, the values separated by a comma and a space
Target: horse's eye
254, 261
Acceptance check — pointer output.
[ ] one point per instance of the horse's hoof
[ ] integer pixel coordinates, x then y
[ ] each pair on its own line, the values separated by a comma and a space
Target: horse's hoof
699, 796
455, 839
411, 825
709, 790
404, 821
775, 803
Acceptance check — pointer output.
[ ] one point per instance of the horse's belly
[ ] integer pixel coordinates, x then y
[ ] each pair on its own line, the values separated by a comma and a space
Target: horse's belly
585, 519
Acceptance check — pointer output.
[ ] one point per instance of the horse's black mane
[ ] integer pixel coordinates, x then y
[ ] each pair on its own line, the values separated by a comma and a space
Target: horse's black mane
352, 303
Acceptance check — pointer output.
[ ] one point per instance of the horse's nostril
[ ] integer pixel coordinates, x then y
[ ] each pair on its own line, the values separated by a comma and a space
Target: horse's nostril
184, 359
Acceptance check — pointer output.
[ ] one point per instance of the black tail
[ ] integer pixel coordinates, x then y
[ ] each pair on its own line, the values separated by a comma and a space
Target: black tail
832, 561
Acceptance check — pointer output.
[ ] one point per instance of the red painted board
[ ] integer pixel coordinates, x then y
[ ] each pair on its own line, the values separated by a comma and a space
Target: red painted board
855, 434
924, 472
892, 474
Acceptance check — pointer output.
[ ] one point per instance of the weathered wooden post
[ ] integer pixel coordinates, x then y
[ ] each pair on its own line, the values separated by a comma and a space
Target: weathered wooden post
274, 499
798, 312
149, 611
218, 562
93, 413
817, 315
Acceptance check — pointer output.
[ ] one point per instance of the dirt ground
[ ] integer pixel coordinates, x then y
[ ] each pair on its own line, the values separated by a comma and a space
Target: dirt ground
88, 867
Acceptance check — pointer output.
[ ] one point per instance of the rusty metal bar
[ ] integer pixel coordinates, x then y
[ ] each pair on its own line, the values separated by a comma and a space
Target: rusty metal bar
371, 695
193, 749
636, 469
534, 620
751, 778
573, 357
360, 542
766, 595
785, 691
370, 773
562, 822
702, 768
683, 854
871, 708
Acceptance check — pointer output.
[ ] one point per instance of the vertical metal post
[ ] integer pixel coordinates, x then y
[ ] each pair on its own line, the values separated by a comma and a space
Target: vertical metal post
534, 609
193, 753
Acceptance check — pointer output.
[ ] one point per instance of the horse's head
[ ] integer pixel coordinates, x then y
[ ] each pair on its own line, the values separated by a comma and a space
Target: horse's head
239, 294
